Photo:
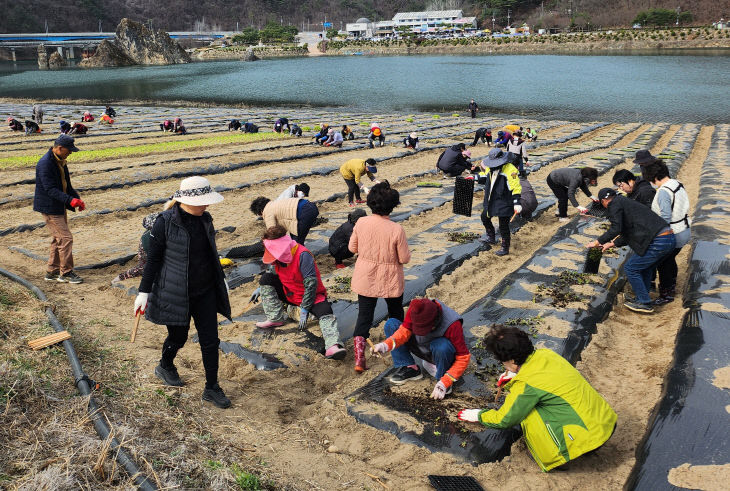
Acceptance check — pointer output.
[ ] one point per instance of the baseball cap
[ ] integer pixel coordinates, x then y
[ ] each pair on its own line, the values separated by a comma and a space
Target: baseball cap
606, 193
66, 142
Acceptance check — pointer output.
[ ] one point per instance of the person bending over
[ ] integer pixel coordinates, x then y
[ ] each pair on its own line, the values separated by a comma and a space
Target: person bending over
565, 182
340, 239
296, 215
454, 160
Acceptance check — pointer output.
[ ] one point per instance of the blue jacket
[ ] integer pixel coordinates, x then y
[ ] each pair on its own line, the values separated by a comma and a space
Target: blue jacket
49, 196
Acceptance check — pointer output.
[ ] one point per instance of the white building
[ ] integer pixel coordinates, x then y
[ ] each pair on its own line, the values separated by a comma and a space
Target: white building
428, 21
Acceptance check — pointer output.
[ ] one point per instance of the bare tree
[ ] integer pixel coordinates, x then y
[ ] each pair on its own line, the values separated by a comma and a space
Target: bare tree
444, 5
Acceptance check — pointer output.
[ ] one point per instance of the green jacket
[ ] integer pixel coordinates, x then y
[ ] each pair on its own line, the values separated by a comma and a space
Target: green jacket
561, 415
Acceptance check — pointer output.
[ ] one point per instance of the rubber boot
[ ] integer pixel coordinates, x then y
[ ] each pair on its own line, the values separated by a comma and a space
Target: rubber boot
359, 343
505, 248
490, 237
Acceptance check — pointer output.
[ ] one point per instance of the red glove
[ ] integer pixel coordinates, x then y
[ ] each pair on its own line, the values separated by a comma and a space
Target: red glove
77, 203
505, 377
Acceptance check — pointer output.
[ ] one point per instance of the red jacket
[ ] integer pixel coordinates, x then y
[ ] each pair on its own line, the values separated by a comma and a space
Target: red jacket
292, 280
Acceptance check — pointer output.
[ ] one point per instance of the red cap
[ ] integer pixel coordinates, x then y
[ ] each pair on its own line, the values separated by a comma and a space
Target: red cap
423, 314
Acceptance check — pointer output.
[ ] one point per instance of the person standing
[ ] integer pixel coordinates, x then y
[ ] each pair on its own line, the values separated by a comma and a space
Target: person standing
183, 279
382, 251
54, 196
352, 171
38, 113
473, 108
296, 215
649, 236
293, 279
671, 202
516, 147
502, 190
434, 333
565, 182
561, 415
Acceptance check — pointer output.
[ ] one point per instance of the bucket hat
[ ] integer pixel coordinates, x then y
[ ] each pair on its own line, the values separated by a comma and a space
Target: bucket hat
423, 314
278, 250
495, 158
196, 191
644, 157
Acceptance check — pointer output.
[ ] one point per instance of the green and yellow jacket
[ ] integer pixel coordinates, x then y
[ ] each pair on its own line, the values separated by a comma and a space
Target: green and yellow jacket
561, 415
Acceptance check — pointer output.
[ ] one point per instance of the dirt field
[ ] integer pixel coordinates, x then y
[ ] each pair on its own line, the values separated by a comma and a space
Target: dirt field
290, 428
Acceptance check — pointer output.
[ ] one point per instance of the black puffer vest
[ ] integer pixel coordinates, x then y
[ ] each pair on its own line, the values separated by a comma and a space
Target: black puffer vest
168, 300
421, 345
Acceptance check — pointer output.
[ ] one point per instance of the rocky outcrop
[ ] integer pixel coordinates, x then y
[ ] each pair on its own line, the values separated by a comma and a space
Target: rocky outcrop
42, 57
108, 54
56, 61
135, 44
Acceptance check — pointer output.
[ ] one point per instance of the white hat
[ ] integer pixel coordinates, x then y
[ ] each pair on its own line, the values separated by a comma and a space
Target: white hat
414, 135
374, 125
196, 191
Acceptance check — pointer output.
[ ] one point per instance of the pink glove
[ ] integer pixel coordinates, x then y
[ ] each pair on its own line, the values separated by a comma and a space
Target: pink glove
439, 391
505, 377
379, 348
471, 415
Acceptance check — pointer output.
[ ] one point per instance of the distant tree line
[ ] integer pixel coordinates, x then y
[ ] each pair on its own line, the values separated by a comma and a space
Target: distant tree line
273, 32
662, 17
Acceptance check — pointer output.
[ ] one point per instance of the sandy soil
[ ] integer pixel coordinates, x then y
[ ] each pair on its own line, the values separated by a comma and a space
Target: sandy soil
291, 425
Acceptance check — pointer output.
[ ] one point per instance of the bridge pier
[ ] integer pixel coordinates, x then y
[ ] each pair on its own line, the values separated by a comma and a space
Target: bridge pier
12, 53
70, 52
60, 51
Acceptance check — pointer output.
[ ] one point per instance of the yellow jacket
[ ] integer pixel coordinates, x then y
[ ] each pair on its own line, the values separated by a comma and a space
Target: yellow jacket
354, 169
561, 415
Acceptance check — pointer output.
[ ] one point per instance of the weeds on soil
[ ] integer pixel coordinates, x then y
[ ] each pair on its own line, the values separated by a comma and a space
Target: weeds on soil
559, 292
462, 237
342, 284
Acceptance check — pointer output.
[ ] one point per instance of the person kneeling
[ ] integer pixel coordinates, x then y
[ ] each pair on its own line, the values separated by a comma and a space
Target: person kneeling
432, 332
293, 278
561, 415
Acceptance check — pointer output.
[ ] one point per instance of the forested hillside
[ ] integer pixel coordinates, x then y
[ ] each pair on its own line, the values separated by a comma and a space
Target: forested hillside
84, 15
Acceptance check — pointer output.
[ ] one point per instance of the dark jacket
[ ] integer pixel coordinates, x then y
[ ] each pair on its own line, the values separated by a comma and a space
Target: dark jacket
250, 128
501, 199
452, 161
49, 196
572, 179
643, 192
338, 244
168, 300
635, 224
528, 200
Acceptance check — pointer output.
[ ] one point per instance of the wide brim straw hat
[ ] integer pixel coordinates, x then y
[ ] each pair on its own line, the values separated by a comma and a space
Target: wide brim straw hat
196, 191
495, 158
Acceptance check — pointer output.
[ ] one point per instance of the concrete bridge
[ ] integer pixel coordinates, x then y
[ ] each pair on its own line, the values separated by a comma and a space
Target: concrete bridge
65, 42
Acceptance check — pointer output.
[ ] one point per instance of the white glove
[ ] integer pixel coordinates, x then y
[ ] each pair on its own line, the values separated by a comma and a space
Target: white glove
505, 377
583, 209
518, 208
365, 189
439, 391
379, 348
471, 415
140, 303
595, 200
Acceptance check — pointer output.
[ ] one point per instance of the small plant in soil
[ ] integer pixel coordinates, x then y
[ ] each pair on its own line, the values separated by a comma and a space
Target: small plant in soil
342, 284
320, 220
462, 237
426, 184
559, 291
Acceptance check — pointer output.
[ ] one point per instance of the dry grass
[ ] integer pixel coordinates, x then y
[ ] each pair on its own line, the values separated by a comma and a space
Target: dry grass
49, 442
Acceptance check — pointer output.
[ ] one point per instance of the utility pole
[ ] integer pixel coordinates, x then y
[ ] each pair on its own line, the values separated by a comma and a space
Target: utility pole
493, 19
99, 25
509, 12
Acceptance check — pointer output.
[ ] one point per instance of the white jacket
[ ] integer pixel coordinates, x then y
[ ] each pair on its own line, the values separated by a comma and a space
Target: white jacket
679, 200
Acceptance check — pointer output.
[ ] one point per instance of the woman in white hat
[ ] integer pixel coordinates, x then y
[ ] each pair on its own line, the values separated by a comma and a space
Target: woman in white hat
183, 279
411, 141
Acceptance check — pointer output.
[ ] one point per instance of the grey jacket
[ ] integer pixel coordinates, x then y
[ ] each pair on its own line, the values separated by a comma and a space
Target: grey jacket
571, 178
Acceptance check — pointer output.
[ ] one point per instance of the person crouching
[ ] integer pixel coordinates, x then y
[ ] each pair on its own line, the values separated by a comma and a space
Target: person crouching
293, 279
432, 332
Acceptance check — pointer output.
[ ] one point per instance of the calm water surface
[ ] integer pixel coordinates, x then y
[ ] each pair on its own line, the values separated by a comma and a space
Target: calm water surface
691, 87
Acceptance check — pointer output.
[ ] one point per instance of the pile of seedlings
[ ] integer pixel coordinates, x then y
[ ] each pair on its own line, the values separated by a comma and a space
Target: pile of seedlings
462, 237
342, 284
428, 184
560, 292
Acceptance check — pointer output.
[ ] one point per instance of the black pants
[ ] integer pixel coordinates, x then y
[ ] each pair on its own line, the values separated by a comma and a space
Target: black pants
306, 216
366, 312
473, 114
667, 269
380, 138
342, 255
560, 192
318, 309
481, 135
503, 225
352, 190
297, 132
203, 312
456, 170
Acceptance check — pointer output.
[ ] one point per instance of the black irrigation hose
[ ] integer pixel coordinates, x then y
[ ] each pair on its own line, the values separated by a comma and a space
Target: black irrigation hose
83, 385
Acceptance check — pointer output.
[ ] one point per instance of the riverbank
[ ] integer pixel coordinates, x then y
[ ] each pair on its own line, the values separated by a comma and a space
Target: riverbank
245, 52
621, 41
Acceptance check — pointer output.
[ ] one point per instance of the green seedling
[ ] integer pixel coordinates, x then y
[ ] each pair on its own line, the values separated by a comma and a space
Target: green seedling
426, 184
462, 237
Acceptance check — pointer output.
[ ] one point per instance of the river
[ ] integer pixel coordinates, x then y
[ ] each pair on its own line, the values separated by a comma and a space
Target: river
690, 87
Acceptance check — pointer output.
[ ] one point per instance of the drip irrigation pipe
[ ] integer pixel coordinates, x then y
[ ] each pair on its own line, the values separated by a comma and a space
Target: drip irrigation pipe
82, 384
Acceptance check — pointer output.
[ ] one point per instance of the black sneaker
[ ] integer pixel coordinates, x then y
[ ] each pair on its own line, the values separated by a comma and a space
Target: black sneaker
70, 277
52, 275
169, 376
644, 308
217, 397
405, 374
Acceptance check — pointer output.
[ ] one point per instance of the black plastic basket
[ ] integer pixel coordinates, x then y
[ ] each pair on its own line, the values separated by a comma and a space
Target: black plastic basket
593, 260
463, 196
455, 483
597, 210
